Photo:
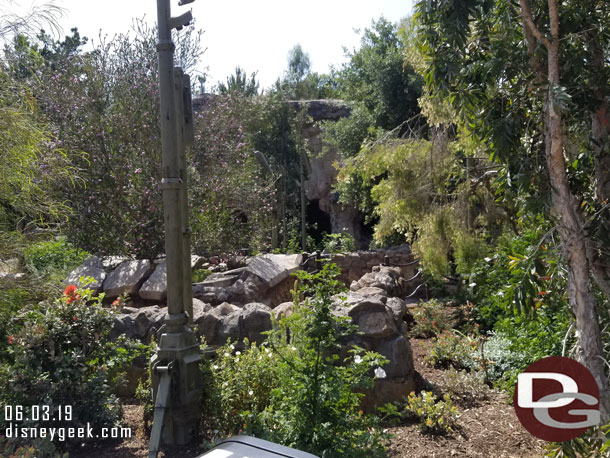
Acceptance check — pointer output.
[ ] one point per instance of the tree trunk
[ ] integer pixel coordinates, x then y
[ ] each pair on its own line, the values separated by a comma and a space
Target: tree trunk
570, 220
600, 147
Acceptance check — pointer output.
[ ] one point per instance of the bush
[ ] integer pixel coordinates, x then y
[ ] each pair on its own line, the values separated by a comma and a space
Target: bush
62, 357
239, 388
452, 348
316, 406
435, 416
200, 275
594, 443
467, 387
339, 243
503, 362
58, 254
430, 319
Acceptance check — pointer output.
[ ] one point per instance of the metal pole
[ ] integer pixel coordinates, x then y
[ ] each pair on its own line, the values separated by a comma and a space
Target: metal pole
303, 202
172, 181
178, 347
187, 283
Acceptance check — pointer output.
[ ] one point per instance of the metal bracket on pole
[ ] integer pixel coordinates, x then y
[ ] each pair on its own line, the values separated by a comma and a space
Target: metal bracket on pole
161, 407
181, 21
171, 183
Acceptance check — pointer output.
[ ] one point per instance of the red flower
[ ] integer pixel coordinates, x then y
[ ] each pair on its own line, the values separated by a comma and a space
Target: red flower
116, 303
70, 289
10, 340
70, 293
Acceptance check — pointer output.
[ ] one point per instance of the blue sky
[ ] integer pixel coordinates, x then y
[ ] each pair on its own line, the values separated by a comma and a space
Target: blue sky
254, 35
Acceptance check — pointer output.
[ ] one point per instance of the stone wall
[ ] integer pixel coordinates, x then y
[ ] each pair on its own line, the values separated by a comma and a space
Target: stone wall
266, 279
239, 303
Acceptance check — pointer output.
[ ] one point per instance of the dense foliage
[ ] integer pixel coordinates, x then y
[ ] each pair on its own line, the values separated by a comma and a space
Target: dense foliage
295, 389
60, 355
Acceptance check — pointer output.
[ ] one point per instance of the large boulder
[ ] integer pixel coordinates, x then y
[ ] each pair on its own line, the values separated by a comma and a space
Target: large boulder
138, 323
149, 320
273, 268
229, 328
127, 277
386, 278
377, 325
92, 267
155, 288
285, 309
398, 351
255, 319
398, 307
210, 294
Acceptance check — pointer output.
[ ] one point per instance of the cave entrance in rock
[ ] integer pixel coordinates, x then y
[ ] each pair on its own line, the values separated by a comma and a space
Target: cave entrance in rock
318, 221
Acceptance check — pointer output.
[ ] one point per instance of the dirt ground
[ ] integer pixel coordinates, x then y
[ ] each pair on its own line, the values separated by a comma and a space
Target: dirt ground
489, 428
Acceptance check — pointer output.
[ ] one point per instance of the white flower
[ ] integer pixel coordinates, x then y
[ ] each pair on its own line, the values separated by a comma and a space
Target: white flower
501, 293
270, 354
380, 373
225, 384
472, 285
250, 392
266, 349
215, 366
487, 259
357, 359
237, 353
227, 354
293, 348
232, 347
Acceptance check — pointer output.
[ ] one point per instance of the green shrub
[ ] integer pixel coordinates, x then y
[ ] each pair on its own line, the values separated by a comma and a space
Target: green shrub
316, 406
200, 275
503, 361
430, 319
435, 416
144, 389
239, 388
467, 387
62, 356
594, 443
58, 254
339, 243
451, 348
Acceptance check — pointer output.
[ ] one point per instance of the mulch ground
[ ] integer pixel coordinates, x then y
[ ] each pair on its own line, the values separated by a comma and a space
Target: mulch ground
488, 428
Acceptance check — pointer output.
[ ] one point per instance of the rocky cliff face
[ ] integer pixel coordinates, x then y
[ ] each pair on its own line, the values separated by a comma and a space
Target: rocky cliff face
323, 201
323, 173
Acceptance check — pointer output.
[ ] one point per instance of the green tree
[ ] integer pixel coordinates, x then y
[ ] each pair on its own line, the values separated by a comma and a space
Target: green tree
299, 64
377, 77
239, 82
300, 82
534, 92
29, 163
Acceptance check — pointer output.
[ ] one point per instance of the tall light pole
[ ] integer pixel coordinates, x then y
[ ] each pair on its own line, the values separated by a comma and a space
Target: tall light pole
175, 373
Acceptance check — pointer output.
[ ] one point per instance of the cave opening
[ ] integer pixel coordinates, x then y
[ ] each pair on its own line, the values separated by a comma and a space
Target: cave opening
318, 222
